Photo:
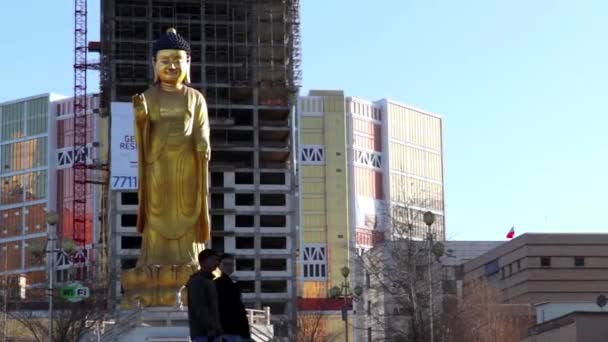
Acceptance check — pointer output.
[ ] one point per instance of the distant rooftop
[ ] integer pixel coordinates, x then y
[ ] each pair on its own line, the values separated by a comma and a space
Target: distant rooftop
544, 239
456, 252
459, 252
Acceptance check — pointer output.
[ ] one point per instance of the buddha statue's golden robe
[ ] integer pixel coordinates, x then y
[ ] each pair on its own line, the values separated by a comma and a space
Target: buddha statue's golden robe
173, 152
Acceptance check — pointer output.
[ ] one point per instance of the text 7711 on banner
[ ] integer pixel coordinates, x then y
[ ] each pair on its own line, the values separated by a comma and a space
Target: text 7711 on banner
123, 167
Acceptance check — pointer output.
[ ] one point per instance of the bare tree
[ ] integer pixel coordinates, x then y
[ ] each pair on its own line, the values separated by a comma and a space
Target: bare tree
313, 321
71, 321
482, 317
398, 286
313, 327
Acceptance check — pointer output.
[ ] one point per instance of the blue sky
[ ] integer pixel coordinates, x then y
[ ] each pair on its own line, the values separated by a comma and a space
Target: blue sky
521, 86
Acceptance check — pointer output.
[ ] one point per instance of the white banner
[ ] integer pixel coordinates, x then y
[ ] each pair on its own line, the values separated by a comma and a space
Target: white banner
123, 168
370, 213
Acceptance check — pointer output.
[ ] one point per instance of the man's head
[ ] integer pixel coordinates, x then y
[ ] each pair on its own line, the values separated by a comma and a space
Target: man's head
208, 259
227, 263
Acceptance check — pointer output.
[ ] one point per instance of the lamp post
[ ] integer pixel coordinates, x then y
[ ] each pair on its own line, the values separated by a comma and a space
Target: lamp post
345, 292
5, 319
429, 219
51, 219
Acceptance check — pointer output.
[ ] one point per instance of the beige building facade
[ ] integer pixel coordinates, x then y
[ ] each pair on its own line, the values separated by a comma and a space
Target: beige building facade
356, 159
539, 268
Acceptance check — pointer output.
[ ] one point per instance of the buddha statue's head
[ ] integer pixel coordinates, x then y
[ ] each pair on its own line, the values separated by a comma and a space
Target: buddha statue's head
171, 59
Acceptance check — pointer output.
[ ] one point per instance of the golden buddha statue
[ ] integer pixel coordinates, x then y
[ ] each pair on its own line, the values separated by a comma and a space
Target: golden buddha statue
172, 133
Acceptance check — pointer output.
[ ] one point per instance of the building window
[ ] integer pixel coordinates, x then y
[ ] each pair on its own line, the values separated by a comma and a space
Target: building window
314, 261
312, 154
366, 158
368, 282
36, 116
130, 242
272, 178
217, 201
129, 198
244, 221
245, 265
273, 286
273, 242
491, 268
244, 199
273, 199
128, 220
518, 264
217, 243
65, 156
369, 307
242, 178
243, 242
273, 221
579, 261
217, 222
273, 265
545, 261
246, 286
369, 334
217, 179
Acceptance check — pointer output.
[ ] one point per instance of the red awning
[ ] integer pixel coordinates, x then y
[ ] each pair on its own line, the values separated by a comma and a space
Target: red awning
324, 304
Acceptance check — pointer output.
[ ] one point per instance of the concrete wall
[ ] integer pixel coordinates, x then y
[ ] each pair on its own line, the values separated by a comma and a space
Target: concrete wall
548, 311
562, 334
592, 328
575, 327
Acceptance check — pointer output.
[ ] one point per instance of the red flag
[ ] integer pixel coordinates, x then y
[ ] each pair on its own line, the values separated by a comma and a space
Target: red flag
511, 233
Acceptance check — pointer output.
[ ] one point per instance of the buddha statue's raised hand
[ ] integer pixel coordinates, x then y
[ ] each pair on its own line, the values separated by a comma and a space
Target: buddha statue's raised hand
139, 106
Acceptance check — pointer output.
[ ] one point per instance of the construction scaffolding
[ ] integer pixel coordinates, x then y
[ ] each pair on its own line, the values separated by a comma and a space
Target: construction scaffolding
246, 61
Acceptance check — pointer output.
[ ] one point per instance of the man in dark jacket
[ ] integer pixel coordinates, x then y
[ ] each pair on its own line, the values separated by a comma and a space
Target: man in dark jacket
233, 316
203, 315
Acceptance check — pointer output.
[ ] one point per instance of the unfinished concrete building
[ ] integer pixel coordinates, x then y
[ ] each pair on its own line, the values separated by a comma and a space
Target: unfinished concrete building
245, 60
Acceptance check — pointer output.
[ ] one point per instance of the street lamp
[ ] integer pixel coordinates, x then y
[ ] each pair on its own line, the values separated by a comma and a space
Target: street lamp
5, 328
345, 292
51, 219
429, 219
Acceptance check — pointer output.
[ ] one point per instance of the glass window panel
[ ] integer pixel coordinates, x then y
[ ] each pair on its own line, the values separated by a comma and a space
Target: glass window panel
37, 117
12, 222
12, 189
24, 155
5, 162
35, 218
35, 185
40, 155
12, 121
